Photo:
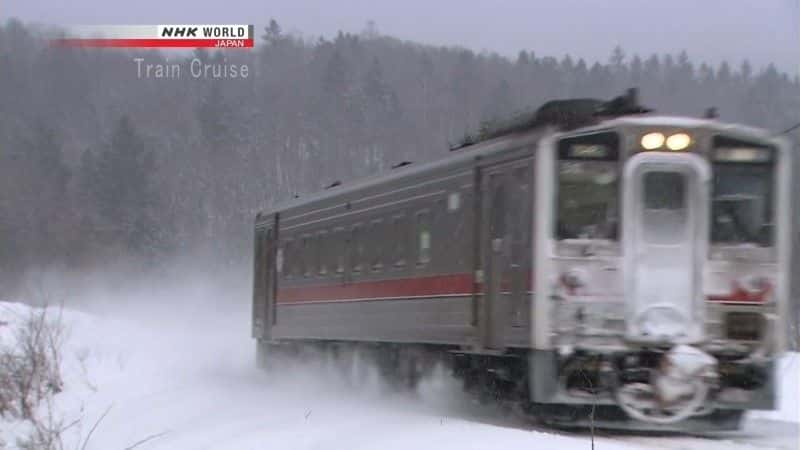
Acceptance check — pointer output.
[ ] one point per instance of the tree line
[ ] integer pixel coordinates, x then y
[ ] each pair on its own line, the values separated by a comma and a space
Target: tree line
98, 163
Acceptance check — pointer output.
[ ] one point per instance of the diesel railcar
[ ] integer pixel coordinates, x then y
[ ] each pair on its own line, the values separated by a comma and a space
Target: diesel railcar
589, 257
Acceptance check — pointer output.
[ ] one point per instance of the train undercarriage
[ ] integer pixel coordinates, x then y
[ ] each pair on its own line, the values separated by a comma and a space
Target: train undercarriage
633, 390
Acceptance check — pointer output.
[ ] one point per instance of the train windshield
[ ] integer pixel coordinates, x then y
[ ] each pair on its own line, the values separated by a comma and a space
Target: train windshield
742, 194
588, 187
741, 211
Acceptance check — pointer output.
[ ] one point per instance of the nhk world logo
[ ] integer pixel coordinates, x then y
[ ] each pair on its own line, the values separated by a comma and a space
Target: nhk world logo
204, 31
160, 36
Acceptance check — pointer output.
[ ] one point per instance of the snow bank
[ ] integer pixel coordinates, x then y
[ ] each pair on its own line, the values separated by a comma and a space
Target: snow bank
186, 380
200, 390
788, 375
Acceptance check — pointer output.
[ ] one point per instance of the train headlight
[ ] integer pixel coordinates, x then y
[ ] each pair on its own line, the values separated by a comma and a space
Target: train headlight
679, 141
652, 141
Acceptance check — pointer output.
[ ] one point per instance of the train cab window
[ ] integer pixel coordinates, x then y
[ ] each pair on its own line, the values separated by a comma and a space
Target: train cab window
423, 232
664, 215
399, 233
742, 193
376, 243
356, 248
322, 253
587, 187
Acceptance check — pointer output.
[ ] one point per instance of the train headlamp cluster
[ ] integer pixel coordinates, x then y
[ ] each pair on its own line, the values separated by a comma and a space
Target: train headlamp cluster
674, 142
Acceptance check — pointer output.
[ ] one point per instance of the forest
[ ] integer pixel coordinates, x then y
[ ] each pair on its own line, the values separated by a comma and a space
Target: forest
99, 163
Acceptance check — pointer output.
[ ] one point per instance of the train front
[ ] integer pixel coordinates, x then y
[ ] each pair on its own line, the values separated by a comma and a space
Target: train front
666, 260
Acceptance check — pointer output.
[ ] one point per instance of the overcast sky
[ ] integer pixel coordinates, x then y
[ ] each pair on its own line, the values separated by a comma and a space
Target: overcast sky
712, 30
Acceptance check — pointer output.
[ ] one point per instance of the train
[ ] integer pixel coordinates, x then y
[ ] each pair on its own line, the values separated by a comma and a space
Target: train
592, 263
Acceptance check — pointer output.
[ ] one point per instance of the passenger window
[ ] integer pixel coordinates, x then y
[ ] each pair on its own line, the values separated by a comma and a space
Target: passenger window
399, 233
305, 260
338, 240
356, 248
440, 211
285, 266
423, 231
453, 201
377, 245
322, 253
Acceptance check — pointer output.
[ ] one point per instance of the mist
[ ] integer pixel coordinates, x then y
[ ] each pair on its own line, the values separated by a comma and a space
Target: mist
172, 360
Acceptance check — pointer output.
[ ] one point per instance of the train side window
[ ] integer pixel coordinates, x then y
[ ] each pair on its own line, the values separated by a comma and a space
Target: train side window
338, 241
322, 253
453, 201
423, 232
440, 212
313, 252
304, 259
287, 260
356, 248
497, 227
399, 233
376, 239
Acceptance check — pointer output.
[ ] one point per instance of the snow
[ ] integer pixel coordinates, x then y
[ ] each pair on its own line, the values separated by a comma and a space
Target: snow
788, 375
188, 381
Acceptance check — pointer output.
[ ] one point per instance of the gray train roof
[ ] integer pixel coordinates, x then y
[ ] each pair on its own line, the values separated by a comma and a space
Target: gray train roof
501, 143
465, 154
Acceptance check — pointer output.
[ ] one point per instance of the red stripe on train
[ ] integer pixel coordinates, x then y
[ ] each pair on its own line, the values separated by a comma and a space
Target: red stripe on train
456, 284
741, 295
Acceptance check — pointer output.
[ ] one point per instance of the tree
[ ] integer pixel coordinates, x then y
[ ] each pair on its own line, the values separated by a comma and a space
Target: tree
213, 115
370, 30
637, 70
272, 33
523, 59
617, 59
336, 78
120, 183
500, 103
724, 73
746, 71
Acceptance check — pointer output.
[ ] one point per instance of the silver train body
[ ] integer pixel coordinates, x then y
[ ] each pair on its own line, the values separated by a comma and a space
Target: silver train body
638, 265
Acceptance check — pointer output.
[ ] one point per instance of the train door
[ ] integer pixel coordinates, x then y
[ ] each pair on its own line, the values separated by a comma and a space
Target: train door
268, 260
665, 214
506, 253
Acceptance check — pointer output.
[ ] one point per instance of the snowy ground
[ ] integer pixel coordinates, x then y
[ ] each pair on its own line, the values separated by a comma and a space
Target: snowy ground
189, 383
